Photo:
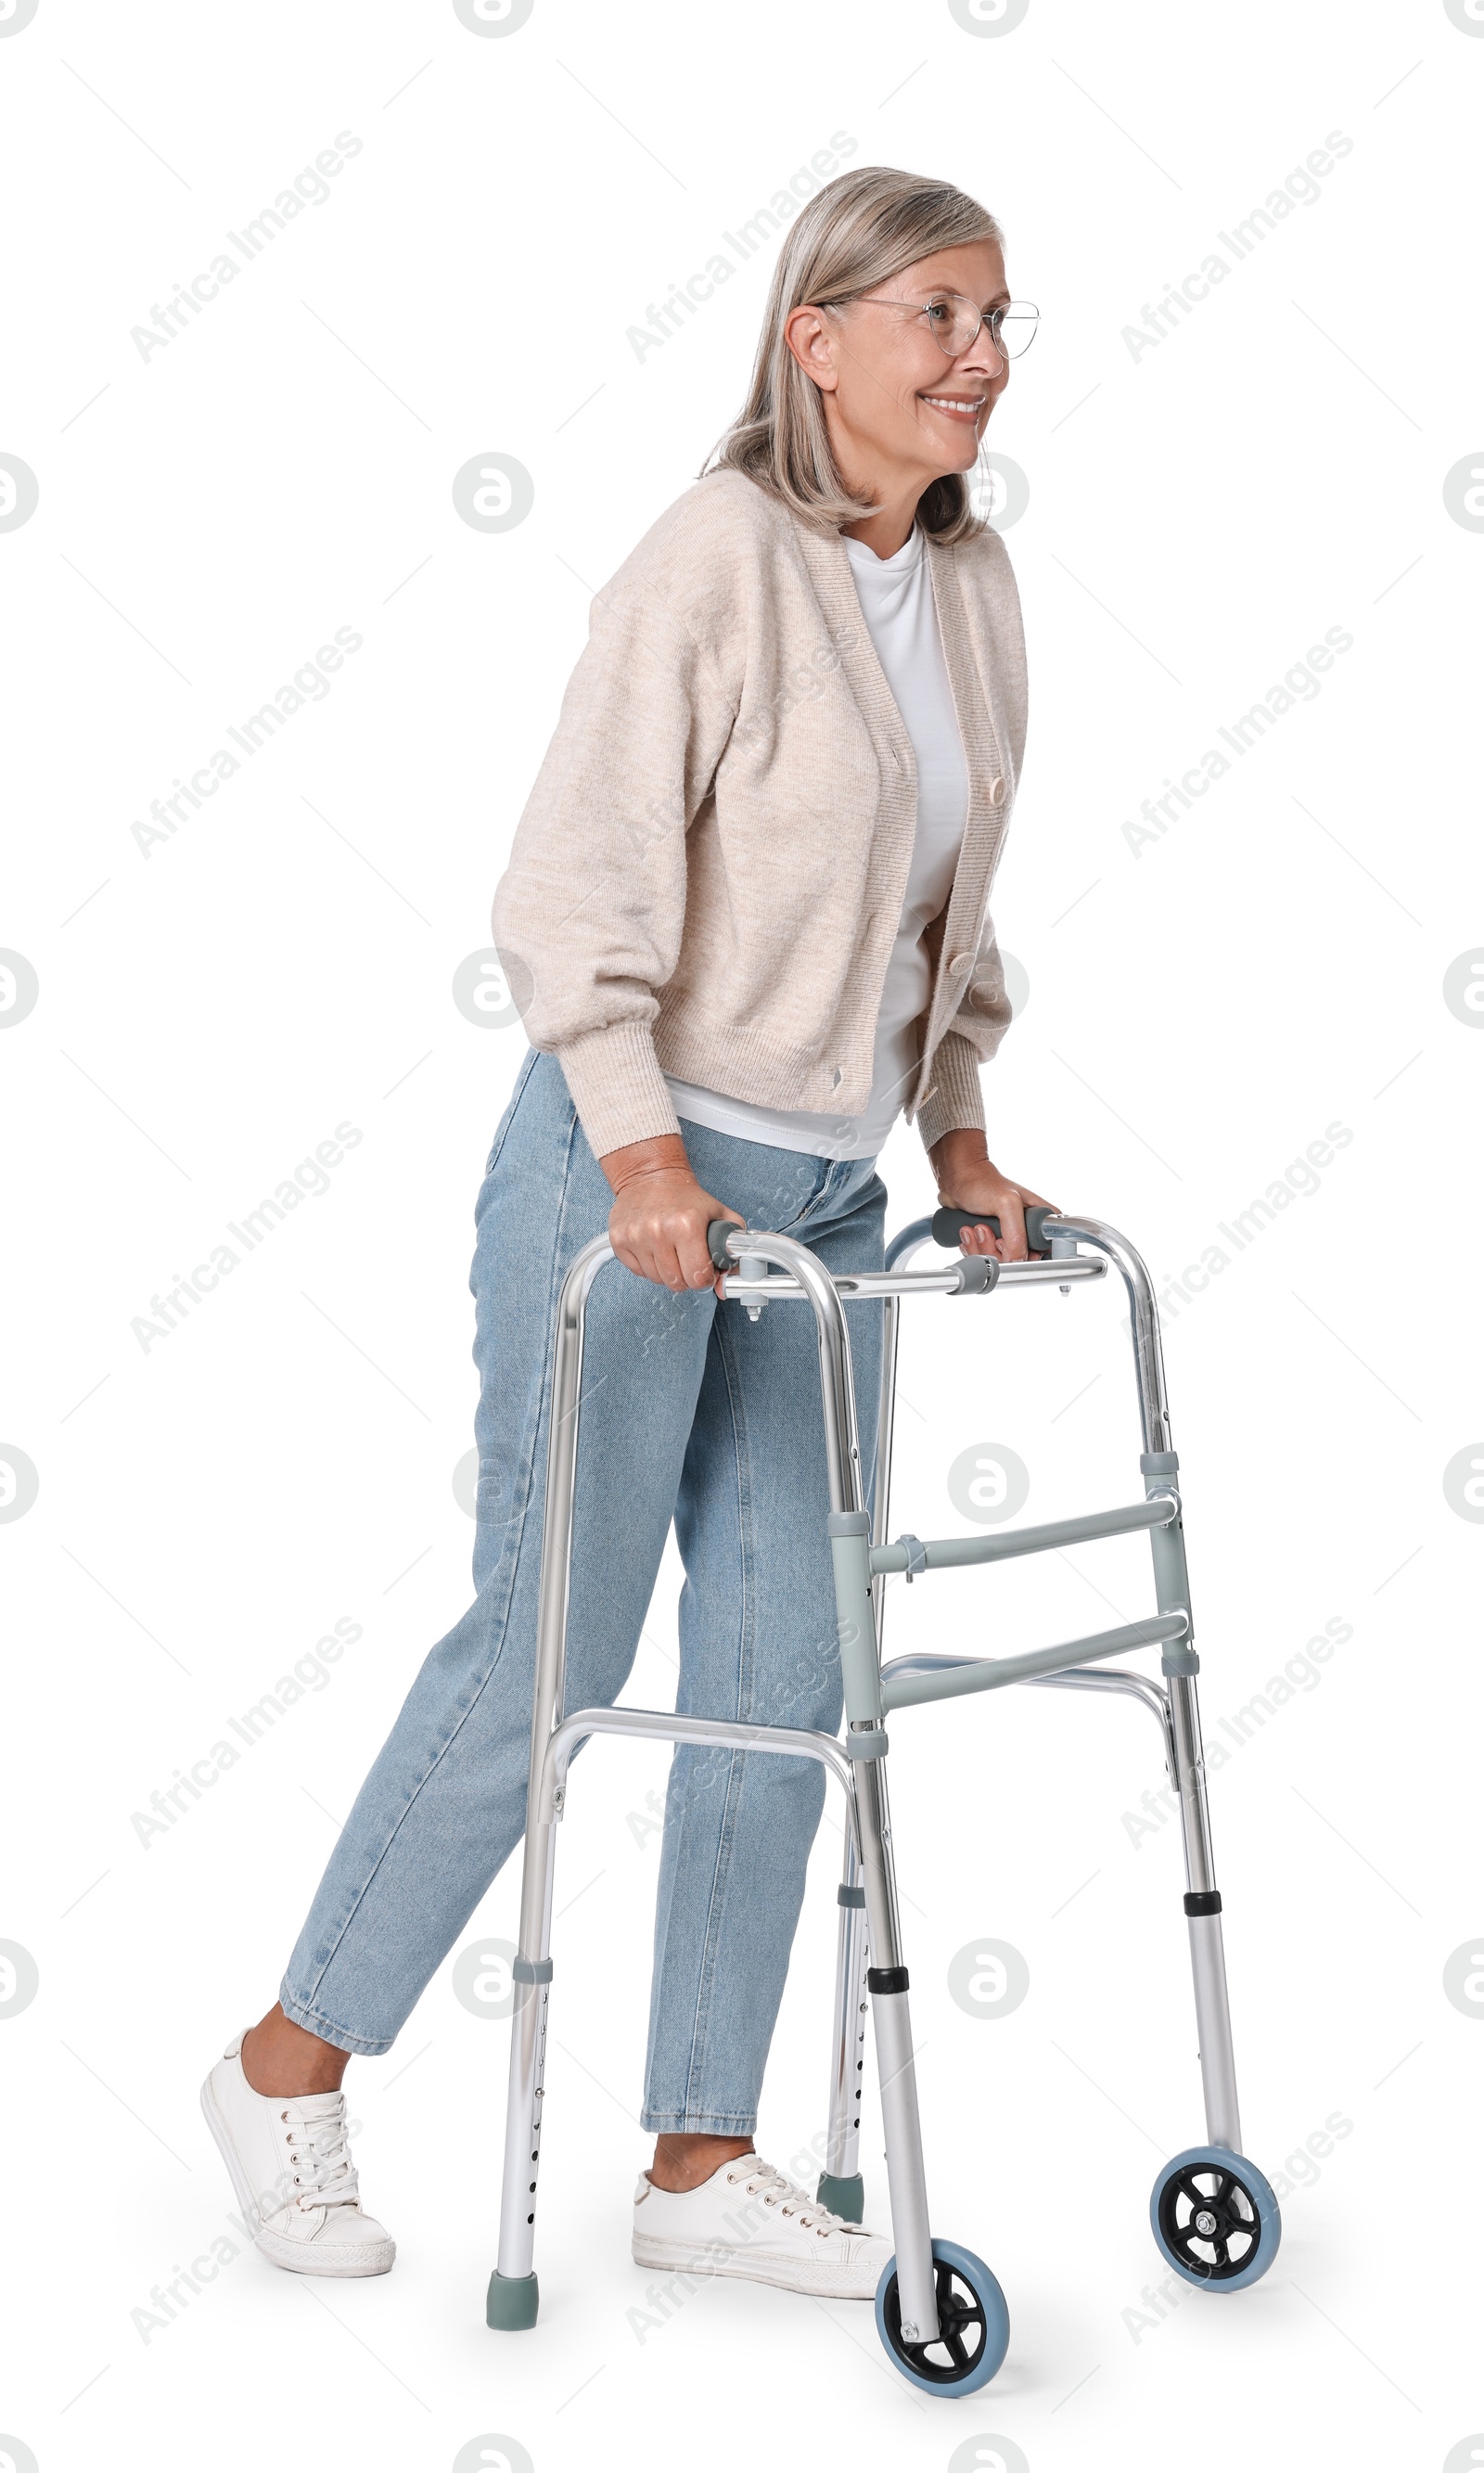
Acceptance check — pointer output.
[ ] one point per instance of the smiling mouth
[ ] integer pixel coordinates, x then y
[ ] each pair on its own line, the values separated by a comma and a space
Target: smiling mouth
958, 407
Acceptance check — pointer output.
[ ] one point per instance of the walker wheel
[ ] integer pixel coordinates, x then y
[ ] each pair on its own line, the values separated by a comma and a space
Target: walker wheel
1215, 2218
972, 2321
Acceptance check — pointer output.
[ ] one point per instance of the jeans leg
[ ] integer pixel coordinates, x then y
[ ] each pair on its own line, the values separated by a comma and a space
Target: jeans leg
444, 1802
757, 1642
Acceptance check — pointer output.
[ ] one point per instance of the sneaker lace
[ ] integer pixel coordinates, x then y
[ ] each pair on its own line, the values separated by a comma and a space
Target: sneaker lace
776, 2189
321, 2172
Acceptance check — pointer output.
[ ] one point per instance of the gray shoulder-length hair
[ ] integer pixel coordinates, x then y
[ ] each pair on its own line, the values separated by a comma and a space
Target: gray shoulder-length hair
857, 232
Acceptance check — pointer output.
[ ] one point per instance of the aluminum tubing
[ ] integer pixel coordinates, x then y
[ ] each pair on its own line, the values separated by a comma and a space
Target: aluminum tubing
881, 1475
1214, 2027
523, 2129
878, 1865
1191, 1783
556, 1562
842, 2151
906, 2181
1143, 1320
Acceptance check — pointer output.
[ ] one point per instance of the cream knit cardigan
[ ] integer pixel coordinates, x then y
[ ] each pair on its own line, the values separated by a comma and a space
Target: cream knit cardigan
709, 875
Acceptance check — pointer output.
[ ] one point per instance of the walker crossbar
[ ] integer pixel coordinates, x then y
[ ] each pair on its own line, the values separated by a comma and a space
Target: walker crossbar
943, 1553
1136, 1686
667, 1726
948, 1678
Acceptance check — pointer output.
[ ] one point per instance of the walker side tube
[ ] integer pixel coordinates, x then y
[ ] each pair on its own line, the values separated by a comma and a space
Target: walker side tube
849, 1534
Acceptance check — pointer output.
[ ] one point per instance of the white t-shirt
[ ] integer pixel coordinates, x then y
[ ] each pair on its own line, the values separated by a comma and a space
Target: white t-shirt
896, 601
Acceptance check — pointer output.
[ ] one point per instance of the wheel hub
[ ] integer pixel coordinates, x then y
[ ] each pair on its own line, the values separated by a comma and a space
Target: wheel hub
961, 2330
1213, 2230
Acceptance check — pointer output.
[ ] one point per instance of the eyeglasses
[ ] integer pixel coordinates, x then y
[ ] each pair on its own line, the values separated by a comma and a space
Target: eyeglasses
953, 322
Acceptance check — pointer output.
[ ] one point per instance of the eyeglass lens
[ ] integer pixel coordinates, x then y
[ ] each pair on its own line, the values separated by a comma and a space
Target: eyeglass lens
954, 322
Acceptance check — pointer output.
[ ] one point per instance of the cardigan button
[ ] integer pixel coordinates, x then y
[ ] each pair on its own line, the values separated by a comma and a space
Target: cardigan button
960, 963
997, 792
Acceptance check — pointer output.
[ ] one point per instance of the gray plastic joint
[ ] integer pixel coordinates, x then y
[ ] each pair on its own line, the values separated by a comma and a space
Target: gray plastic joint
1179, 1657
866, 1744
849, 1893
977, 1274
916, 1551
1158, 1463
848, 1523
529, 1970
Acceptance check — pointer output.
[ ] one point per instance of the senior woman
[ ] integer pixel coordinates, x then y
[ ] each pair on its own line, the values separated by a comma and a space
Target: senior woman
746, 920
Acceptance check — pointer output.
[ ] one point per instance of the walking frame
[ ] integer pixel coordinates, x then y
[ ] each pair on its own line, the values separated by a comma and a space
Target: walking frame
939, 2310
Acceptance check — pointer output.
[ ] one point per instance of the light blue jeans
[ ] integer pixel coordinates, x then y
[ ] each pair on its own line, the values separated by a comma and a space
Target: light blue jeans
689, 1412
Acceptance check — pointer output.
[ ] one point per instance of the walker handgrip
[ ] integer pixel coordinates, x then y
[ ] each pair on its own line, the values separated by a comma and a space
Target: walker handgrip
716, 1237
948, 1225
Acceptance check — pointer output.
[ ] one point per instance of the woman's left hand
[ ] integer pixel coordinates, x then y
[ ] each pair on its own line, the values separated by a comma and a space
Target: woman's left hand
968, 1180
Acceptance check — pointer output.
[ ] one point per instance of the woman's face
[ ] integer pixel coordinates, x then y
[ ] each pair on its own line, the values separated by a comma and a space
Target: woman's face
895, 398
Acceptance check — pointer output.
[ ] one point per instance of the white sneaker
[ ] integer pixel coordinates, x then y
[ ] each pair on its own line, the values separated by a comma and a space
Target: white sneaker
290, 2168
749, 2219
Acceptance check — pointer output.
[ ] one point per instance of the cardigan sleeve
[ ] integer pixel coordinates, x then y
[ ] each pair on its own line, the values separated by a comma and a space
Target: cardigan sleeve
954, 1098
588, 916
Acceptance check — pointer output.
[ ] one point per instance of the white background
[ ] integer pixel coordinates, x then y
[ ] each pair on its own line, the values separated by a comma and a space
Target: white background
1197, 1016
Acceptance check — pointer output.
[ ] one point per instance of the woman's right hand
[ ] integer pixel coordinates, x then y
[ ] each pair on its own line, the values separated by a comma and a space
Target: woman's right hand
661, 1212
